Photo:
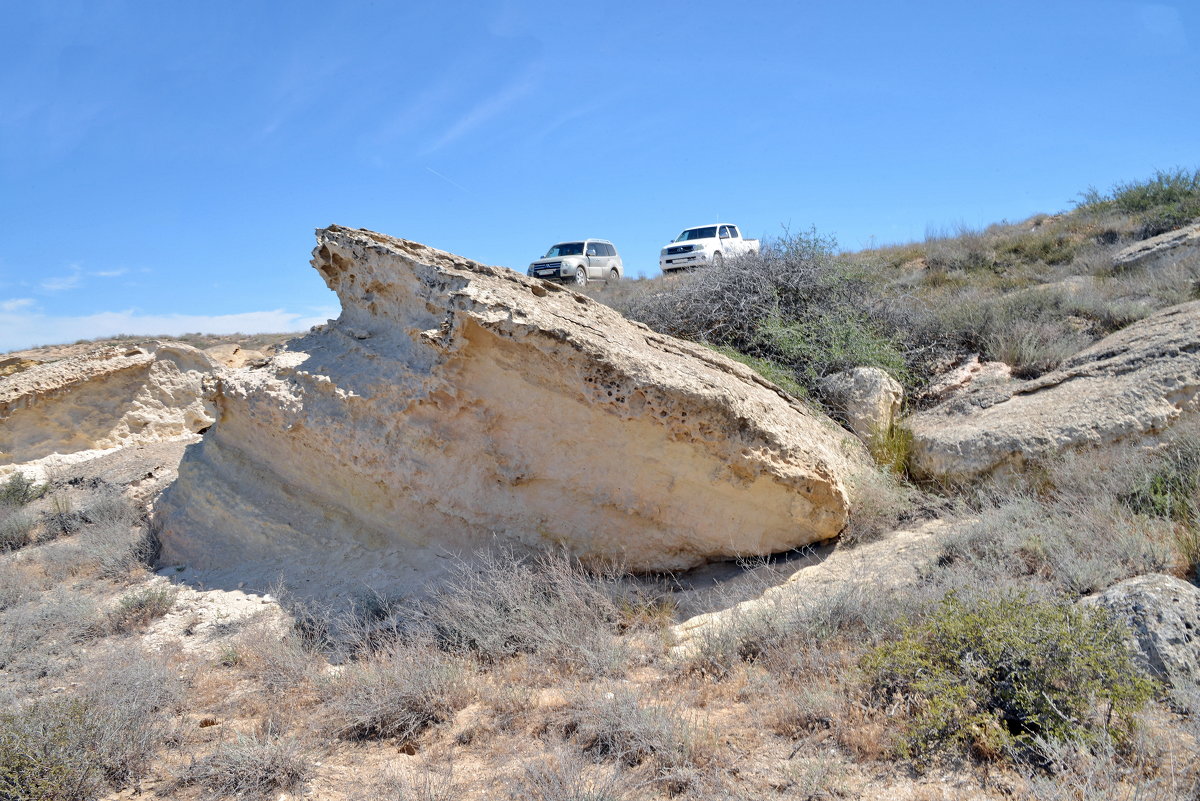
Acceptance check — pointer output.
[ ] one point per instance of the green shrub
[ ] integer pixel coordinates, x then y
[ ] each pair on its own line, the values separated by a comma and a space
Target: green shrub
19, 490
996, 674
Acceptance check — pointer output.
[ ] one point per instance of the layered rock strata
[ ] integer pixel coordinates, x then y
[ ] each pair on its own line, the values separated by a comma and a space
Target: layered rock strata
108, 398
1132, 384
453, 406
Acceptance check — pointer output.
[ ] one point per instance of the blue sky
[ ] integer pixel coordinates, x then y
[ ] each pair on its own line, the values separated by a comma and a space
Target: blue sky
163, 165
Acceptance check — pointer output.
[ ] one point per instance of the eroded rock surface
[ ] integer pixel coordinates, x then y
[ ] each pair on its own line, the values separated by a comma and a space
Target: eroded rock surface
454, 405
1163, 615
108, 398
1129, 385
1181, 240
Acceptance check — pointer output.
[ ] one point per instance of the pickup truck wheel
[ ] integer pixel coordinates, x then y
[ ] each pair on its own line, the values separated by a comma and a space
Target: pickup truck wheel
718, 260
581, 276
613, 276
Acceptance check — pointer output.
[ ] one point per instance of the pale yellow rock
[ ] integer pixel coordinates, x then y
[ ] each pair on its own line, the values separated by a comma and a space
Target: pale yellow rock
108, 398
453, 406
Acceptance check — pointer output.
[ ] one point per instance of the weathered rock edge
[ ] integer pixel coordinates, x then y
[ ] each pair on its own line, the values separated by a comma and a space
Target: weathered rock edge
454, 405
109, 397
1132, 384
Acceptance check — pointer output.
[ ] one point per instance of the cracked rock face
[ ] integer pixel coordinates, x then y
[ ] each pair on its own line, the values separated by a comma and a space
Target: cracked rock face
1130, 385
111, 397
455, 406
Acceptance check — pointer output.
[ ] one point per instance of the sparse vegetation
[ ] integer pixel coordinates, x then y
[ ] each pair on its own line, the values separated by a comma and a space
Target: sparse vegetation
137, 609
396, 692
557, 682
251, 767
993, 674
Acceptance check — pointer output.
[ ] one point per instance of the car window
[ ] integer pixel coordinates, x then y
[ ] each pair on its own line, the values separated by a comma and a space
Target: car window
591, 249
564, 249
733, 231
724, 231
698, 233
609, 250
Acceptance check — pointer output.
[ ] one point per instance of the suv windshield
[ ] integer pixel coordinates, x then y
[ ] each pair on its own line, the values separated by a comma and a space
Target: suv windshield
698, 233
565, 249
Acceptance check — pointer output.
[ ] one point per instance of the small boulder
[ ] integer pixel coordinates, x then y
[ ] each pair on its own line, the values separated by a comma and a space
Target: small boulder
867, 397
1163, 615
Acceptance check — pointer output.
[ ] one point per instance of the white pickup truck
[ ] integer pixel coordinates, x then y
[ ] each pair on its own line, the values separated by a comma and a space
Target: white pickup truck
706, 244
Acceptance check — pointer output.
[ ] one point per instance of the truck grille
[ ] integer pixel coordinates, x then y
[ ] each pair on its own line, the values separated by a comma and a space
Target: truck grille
675, 251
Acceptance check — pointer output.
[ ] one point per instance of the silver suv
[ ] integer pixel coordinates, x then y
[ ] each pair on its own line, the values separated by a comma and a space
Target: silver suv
579, 262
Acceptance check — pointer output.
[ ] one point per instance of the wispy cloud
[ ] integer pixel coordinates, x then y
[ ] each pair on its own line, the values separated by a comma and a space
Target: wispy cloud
485, 110
63, 282
22, 328
110, 273
16, 304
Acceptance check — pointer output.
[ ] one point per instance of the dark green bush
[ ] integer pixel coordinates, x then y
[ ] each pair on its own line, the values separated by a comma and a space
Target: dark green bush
19, 490
994, 675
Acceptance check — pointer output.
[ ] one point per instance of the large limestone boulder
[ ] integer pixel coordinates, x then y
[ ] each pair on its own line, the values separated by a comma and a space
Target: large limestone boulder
107, 398
867, 397
1163, 615
453, 406
1129, 385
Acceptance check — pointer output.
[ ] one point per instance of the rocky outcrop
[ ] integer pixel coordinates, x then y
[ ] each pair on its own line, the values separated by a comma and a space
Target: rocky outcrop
866, 397
1163, 615
107, 398
1130, 385
453, 406
1185, 239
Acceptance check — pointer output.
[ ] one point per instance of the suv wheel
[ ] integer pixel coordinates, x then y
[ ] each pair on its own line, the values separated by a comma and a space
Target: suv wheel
718, 260
581, 276
613, 276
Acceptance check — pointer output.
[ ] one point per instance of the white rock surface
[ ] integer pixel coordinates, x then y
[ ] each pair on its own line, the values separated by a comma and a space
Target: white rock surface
111, 397
453, 406
867, 397
1132, 384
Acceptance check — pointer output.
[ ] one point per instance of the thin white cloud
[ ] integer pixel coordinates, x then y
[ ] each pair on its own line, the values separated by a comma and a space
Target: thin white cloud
25, 329
16, 304
110, 273
62, 283
484, 111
